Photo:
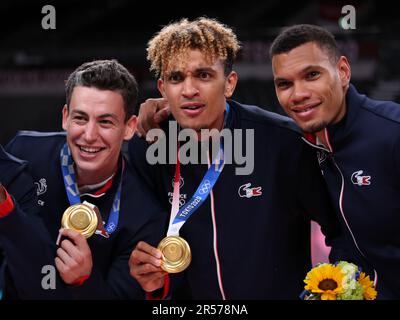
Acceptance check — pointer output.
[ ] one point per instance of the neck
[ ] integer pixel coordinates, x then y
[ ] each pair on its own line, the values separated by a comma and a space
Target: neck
210, 131
322, 137
84, 178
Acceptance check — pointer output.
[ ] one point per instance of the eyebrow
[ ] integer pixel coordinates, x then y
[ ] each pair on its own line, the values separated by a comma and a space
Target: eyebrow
80, 112
205, 69
198, 70
302, 71
103, 116
310, 67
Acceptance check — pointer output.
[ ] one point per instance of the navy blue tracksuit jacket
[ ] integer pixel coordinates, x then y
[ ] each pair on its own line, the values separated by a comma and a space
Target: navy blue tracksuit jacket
140, 218
361, 166
15, 178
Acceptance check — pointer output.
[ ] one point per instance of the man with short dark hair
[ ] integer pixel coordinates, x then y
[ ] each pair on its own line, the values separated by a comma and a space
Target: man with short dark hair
357, 141
109, 209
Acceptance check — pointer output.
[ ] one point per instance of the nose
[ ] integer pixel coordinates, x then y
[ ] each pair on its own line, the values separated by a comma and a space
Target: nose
91, 131
300, 94
190, 89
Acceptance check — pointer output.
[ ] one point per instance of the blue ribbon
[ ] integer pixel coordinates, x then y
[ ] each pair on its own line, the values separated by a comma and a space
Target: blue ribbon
207, 183
71, 187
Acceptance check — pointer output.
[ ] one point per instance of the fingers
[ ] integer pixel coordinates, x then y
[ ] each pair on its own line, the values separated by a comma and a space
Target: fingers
161, 115
145, 269
147, 111
144, 265
145, 247
78, 239
139, 257
74, 258
145, 254
64, 256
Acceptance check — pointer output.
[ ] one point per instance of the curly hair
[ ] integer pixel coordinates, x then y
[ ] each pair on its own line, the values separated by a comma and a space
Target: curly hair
214, 39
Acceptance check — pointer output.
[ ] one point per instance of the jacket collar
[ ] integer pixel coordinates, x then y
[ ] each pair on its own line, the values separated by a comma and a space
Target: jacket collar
337, 132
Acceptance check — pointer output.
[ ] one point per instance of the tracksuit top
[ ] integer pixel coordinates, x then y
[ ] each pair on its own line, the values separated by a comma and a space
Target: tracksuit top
140, 218
361, 166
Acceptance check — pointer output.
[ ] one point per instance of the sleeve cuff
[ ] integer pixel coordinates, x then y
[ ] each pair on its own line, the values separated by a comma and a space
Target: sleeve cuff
6, 206
161, 293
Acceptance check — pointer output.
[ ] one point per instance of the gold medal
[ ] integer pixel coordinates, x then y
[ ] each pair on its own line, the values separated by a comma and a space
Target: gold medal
176, 254
81, 218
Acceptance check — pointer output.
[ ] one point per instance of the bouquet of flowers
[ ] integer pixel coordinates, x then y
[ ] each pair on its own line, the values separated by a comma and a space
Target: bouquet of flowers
339, 281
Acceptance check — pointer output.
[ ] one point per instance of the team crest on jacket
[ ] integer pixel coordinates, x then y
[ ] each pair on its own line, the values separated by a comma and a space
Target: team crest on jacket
246, 192
41, 186
360, 180
182, 197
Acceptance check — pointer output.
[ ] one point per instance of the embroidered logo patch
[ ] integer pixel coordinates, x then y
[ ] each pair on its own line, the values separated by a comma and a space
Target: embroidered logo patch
358, 179
246, 192
41, 186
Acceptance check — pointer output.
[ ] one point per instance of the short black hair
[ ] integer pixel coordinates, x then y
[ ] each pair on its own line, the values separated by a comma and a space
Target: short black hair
105, 75
300, 34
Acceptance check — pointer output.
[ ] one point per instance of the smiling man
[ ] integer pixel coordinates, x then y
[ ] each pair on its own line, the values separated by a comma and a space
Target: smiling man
86, 164
357, 140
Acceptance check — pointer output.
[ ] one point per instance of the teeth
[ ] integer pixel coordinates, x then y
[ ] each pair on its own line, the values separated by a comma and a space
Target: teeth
90, 150
305, 110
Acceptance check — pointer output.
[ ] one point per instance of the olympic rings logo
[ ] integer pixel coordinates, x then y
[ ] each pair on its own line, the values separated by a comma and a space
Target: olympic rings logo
205, 187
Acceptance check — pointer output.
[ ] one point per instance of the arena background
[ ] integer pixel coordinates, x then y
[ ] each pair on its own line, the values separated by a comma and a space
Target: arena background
35, 62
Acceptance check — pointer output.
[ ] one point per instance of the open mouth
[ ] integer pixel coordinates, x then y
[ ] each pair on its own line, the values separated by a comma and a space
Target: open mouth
90, 150
193, 109
192, 106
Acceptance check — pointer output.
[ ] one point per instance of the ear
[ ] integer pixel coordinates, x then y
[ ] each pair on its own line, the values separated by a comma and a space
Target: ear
65, 114
344, 71
160, 87
130, 128
230, 84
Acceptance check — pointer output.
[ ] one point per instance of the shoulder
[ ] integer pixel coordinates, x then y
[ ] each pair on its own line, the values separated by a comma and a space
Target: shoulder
32, 144
388, 110
10, 166
32, 136
257, 117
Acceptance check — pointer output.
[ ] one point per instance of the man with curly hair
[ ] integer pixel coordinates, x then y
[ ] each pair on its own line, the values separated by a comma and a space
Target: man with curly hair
249, 234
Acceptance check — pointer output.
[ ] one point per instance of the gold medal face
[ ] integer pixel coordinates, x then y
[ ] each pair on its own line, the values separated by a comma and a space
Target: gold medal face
81, 218
176, 254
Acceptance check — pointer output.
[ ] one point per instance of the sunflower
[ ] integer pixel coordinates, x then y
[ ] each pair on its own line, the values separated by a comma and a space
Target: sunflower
326, 280
369, 290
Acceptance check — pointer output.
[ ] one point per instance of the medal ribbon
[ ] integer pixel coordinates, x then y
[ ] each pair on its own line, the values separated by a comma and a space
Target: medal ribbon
179, 216
71, 187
